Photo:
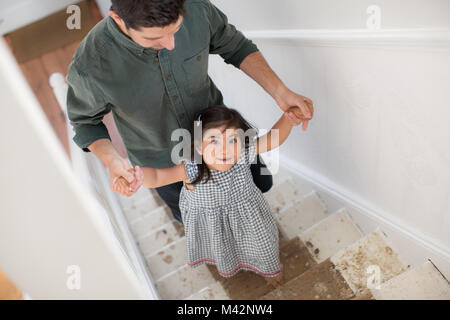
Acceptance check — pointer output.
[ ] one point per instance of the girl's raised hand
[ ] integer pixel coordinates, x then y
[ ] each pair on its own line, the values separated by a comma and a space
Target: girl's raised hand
293, 114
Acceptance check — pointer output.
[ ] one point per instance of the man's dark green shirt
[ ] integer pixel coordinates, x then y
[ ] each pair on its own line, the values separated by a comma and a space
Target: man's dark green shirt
150, 93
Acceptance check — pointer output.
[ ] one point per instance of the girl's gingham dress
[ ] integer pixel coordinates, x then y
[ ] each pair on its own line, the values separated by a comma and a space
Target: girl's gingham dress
228, 222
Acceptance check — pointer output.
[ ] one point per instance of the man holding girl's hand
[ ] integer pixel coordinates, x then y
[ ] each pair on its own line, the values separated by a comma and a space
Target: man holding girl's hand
122, 186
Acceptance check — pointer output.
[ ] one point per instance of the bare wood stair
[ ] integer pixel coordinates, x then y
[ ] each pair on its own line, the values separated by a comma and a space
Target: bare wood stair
247, 285
322, 282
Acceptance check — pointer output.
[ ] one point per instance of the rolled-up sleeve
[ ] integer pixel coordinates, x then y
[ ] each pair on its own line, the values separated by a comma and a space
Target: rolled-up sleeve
85, 109
226, 41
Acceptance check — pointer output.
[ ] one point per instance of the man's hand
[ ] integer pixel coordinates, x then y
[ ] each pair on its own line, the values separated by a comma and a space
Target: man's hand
257, 68
290, 113
120, 167
303, 113
123, 186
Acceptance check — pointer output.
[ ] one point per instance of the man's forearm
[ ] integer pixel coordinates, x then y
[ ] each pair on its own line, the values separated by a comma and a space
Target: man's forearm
104, 150
257, 68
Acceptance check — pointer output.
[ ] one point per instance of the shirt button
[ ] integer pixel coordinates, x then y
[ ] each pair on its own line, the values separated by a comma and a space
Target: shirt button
168, 77
156, 59
181, 116
199, 58
175, 97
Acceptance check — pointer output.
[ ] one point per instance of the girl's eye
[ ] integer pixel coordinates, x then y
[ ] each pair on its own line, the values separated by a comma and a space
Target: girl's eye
214, 141
234, 140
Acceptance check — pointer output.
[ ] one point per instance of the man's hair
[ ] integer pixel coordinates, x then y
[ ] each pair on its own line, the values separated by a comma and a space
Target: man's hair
148, 13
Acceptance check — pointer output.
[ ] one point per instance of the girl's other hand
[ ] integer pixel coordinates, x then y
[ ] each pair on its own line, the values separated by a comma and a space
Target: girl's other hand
127, 189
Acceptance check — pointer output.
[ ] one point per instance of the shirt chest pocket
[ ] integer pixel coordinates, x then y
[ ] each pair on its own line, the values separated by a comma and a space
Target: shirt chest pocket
196, 71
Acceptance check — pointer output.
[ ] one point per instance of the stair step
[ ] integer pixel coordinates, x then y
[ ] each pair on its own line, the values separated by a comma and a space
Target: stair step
301, 216
137, 199
281, 196
168, 259
334, 233
365, 295
184, 282
212, 292
424, 282
150, 222
280, 176
356, 262
295, 258
321, 282
141, 209
161, 237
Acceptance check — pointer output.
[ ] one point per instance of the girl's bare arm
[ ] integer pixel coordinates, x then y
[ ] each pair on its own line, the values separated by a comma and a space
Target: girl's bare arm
270, 141
154, 178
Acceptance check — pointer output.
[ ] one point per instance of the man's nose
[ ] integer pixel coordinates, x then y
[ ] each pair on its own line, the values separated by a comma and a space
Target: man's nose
169, 43
226, 150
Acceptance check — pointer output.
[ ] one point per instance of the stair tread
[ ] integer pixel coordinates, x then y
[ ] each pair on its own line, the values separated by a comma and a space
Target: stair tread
167, 259
321, 282
331, 235
153, 242
301, 215
282, 195
295, 258
150, 222
365, 295
421, 283
184, 282
212, 292
358, 261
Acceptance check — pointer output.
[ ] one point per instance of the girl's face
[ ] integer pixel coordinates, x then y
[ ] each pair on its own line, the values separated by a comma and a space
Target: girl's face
221, 148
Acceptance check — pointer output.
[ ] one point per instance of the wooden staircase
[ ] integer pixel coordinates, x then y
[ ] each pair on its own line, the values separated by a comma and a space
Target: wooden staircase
324, 256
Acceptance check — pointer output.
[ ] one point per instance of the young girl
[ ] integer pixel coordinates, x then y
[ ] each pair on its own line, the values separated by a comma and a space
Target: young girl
227, 220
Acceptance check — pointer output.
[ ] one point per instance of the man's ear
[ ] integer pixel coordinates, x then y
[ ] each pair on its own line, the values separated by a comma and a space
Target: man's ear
116, 18
113, 14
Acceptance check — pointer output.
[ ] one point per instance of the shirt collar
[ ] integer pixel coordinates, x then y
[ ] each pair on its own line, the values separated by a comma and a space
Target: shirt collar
124, 40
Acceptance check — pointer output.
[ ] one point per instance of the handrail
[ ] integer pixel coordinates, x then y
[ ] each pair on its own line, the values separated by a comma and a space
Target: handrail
97, 176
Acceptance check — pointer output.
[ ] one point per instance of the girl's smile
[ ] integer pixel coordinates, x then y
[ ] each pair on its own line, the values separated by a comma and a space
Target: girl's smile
221, 148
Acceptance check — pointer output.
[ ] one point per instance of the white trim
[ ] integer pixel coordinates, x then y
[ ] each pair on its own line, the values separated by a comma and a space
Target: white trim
80, 161
437, 37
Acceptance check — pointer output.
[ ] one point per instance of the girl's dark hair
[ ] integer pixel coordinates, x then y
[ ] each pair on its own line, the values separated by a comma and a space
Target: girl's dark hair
213, 117
148, 13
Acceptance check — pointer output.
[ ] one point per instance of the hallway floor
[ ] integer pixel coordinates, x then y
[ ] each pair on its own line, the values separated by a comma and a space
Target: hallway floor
37, 72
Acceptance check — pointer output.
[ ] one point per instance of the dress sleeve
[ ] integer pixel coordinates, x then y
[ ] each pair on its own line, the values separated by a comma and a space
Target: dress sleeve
191, 169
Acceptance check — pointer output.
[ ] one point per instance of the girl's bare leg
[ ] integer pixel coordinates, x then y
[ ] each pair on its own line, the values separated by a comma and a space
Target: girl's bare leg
276, 281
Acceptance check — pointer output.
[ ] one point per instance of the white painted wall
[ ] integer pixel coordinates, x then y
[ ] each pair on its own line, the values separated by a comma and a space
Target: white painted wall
104, 6
48, 219
332, 14
380, 134
19, 13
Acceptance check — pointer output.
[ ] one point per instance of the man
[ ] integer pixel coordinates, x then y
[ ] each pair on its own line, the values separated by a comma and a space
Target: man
148, 63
